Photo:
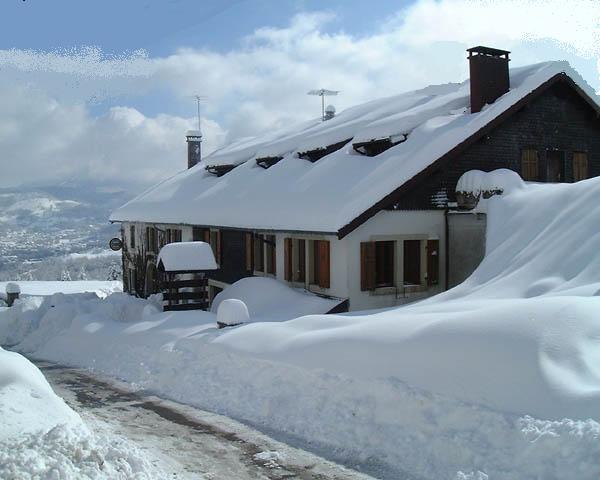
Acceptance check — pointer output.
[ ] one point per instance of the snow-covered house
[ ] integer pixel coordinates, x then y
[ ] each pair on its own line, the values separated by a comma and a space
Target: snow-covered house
357, 207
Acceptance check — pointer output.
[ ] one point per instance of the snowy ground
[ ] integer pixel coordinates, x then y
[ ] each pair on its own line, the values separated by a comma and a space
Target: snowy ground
496, 377
102, 288
186, 443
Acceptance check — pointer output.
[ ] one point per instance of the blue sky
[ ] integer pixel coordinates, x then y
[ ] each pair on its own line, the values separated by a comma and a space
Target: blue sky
106, 85
162, 26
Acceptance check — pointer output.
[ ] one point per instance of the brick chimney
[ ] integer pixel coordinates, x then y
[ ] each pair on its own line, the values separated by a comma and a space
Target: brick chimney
488, 69
194, 150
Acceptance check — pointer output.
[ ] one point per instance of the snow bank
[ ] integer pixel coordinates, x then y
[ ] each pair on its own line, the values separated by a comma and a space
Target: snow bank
269, 300
48, 288
497, 377
41, 437
27, 403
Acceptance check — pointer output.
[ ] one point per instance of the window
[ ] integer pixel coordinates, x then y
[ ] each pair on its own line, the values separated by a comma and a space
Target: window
555, 166
132, 236
151, 240
173, 235
412, 262
259, 253
580, 166
271, 254
384, 263
198, 234
295, 260
249, 240
377, 264
299, 260
433, 262
320, 263
529, 165
215, 243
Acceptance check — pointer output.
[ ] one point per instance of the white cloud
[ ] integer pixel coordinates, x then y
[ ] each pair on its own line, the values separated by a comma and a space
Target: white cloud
42, 140
263, 83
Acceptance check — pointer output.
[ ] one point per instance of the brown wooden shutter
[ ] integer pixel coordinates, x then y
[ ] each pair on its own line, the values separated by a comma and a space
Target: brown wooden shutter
249, 252
580, 166
218, 247
301, 274
324, 276
288, 268
529, 165
367, 266
433, 262
207, 236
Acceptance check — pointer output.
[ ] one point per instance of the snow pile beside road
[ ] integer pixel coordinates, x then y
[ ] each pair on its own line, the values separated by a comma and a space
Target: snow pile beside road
41, 437
27, 403
69, 452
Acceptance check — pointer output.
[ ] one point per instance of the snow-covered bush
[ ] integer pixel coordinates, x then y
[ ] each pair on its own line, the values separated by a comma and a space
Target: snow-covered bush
232, 312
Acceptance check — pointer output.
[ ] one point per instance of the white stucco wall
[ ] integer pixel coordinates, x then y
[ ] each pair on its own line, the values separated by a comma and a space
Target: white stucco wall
393, 225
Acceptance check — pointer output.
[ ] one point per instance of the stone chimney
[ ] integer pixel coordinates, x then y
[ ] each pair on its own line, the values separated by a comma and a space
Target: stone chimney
488, 69
194, 150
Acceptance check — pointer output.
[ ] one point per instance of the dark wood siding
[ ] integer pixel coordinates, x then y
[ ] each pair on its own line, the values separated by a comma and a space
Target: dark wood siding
559, 120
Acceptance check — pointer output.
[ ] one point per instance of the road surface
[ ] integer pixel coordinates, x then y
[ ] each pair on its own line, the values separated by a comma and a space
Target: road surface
186, 442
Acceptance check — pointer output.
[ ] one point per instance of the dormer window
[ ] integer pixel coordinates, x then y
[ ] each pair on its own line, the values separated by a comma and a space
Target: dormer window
219, 170
318, 153
376, 146
266, 162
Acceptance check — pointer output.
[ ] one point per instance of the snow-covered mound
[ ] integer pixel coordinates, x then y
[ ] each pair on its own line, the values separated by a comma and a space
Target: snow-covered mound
27, 403
41, 437
269, 300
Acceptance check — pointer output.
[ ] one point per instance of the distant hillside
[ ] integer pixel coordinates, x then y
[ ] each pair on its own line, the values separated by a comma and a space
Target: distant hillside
42, 227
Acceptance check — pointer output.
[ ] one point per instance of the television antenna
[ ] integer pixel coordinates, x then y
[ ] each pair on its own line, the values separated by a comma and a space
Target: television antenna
199, 100
322, 92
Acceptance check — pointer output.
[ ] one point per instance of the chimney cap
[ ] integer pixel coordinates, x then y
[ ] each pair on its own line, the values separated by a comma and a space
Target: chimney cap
494, 52
193, 133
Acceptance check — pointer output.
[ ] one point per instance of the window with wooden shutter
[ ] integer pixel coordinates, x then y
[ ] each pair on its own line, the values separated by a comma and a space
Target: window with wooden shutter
384, 263
530, 165
300, 268
412, 262
206, 236
132, 236
259, 253
555, 166
433, 262
271, 254
288, 259
367, 266
249, 252
324, 264
580, 166
197, 234
215, 244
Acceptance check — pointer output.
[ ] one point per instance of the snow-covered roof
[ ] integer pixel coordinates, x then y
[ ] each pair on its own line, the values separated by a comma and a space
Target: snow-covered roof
324, 196
186, 257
